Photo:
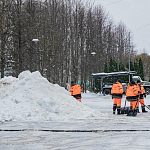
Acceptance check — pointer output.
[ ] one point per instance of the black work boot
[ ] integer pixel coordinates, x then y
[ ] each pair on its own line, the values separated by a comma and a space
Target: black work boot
118, 110
143, 109
130, 112
114, 108
134, 112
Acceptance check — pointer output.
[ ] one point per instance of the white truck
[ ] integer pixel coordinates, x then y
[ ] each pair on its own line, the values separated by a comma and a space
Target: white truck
146, 84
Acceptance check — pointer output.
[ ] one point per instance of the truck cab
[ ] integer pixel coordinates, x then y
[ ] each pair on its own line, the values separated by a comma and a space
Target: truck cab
146, 84
136, 78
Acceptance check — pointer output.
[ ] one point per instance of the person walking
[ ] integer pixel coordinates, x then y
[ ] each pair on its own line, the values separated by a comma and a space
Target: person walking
117, 92
132, 95
141, 96
75, 91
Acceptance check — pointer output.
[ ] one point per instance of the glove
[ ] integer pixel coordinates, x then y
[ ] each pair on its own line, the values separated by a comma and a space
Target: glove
145, 95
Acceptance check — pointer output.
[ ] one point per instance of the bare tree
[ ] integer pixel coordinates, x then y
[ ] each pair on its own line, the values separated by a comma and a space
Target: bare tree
67, 32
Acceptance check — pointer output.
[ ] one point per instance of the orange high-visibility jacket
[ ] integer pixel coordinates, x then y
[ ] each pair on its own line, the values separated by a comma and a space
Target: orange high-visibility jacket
141, 89
117, 88
75, 89
132, 90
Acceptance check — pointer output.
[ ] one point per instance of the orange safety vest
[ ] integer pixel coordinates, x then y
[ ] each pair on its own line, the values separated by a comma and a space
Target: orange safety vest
141, 89
117, 88
132, 90
75, 89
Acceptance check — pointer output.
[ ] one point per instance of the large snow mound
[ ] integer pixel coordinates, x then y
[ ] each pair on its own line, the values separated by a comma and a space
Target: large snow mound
33, 97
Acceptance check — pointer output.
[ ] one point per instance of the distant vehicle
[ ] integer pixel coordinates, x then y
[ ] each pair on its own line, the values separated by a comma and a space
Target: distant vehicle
107, 88
146, 84
102, 82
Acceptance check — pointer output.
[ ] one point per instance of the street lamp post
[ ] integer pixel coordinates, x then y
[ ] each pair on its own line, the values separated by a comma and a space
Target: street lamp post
35, 55
35, 40
118, 57
93, 54
129, 62
129, 57
92, 65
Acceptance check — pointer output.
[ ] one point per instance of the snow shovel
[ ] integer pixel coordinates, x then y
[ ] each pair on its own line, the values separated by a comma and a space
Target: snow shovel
147, 106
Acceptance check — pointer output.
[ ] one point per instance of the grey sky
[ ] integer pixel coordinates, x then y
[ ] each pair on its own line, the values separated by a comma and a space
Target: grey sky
135, 14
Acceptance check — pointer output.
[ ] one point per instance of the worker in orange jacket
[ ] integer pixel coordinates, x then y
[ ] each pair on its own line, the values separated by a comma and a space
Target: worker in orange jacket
132, 95
142, 95
117, 92
75, 91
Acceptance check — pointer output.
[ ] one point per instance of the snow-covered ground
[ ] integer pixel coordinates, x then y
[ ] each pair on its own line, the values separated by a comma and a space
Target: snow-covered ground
31, 109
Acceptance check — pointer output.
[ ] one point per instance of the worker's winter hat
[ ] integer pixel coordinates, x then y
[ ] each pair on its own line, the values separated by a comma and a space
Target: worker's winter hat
132, 82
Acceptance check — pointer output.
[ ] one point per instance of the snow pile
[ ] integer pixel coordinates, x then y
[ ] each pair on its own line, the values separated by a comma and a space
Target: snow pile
32, 97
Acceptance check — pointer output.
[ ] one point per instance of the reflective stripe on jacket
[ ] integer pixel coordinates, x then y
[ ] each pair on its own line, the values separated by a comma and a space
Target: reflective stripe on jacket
142, 91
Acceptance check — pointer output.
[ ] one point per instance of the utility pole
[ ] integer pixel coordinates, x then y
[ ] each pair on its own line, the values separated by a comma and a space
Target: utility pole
129, 57
118, 57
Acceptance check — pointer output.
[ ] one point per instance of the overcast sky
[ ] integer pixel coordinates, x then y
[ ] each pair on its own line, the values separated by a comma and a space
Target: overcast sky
135, 14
